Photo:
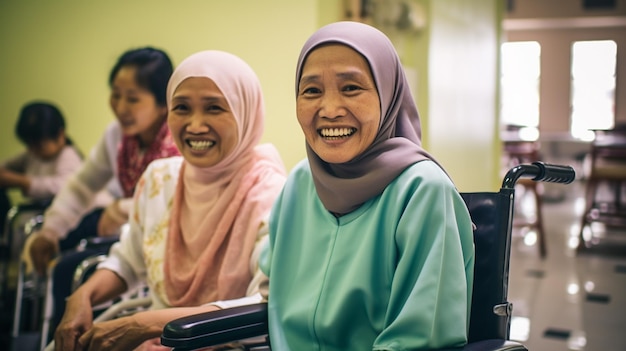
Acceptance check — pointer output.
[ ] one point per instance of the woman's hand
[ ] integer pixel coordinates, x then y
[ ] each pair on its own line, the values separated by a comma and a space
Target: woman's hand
121, 334
103, 285
77, 319
42, 250
111, 220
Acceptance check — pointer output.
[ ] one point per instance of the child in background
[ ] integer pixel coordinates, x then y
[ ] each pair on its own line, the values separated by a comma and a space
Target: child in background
50, 156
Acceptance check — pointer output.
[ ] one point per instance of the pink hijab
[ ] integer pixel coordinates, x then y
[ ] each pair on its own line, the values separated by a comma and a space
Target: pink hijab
217, 211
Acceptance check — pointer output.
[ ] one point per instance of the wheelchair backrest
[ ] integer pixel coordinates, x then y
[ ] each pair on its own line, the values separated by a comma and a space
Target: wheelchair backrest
492, 213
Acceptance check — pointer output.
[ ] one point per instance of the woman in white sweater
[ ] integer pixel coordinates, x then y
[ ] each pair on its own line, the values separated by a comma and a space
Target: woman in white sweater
138, 83
140, 135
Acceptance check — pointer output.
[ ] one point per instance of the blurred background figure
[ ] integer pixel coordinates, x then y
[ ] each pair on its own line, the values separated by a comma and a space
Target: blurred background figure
138, 83
50, 157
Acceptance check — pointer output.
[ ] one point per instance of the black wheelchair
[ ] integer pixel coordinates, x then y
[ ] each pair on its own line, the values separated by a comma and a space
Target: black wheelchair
491, 212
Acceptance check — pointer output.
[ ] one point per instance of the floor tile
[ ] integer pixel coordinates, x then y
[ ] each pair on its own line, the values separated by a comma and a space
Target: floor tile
567, 300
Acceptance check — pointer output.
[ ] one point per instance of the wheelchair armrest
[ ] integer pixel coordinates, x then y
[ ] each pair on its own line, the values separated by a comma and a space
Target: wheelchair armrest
216, 327
245, 322
494, 345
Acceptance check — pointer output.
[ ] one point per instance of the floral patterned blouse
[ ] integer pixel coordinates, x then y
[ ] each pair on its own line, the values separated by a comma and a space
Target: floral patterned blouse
138, 257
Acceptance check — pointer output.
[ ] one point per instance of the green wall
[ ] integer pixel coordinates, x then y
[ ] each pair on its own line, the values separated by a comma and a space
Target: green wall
63, 50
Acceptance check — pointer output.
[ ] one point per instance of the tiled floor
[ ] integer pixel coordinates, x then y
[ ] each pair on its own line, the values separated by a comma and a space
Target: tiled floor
567, 301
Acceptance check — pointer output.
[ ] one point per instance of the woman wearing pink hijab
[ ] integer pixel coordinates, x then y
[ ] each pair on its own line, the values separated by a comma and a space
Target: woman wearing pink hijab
198, 221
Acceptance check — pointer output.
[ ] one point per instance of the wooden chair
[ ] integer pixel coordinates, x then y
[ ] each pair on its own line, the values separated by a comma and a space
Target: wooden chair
608, 169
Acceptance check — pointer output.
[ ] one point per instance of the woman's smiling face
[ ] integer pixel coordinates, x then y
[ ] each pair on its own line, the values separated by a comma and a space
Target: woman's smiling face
201, 122
135, 107
338, 106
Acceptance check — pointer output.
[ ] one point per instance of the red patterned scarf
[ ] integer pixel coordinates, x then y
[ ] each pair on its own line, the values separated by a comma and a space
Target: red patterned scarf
131, 162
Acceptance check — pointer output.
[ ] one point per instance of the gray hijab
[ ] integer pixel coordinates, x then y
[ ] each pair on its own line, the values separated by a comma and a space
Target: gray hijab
344, 187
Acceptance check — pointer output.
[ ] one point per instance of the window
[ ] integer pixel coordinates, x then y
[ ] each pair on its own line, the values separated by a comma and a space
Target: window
520, 76
593, 87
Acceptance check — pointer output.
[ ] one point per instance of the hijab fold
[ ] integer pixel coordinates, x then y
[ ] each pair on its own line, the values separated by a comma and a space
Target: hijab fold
217, 211
344, 187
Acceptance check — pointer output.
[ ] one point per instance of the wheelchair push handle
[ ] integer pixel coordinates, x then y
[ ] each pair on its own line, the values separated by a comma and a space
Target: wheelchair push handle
539, 172
555, 173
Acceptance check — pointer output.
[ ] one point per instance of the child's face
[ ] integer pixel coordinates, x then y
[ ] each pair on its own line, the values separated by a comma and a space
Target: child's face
48, 149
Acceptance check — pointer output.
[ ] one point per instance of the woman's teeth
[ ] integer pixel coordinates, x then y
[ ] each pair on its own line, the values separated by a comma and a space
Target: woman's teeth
200, 145
336, 132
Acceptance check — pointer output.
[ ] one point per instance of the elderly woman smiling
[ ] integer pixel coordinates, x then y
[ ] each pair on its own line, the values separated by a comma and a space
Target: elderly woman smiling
371, 244
198, 220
